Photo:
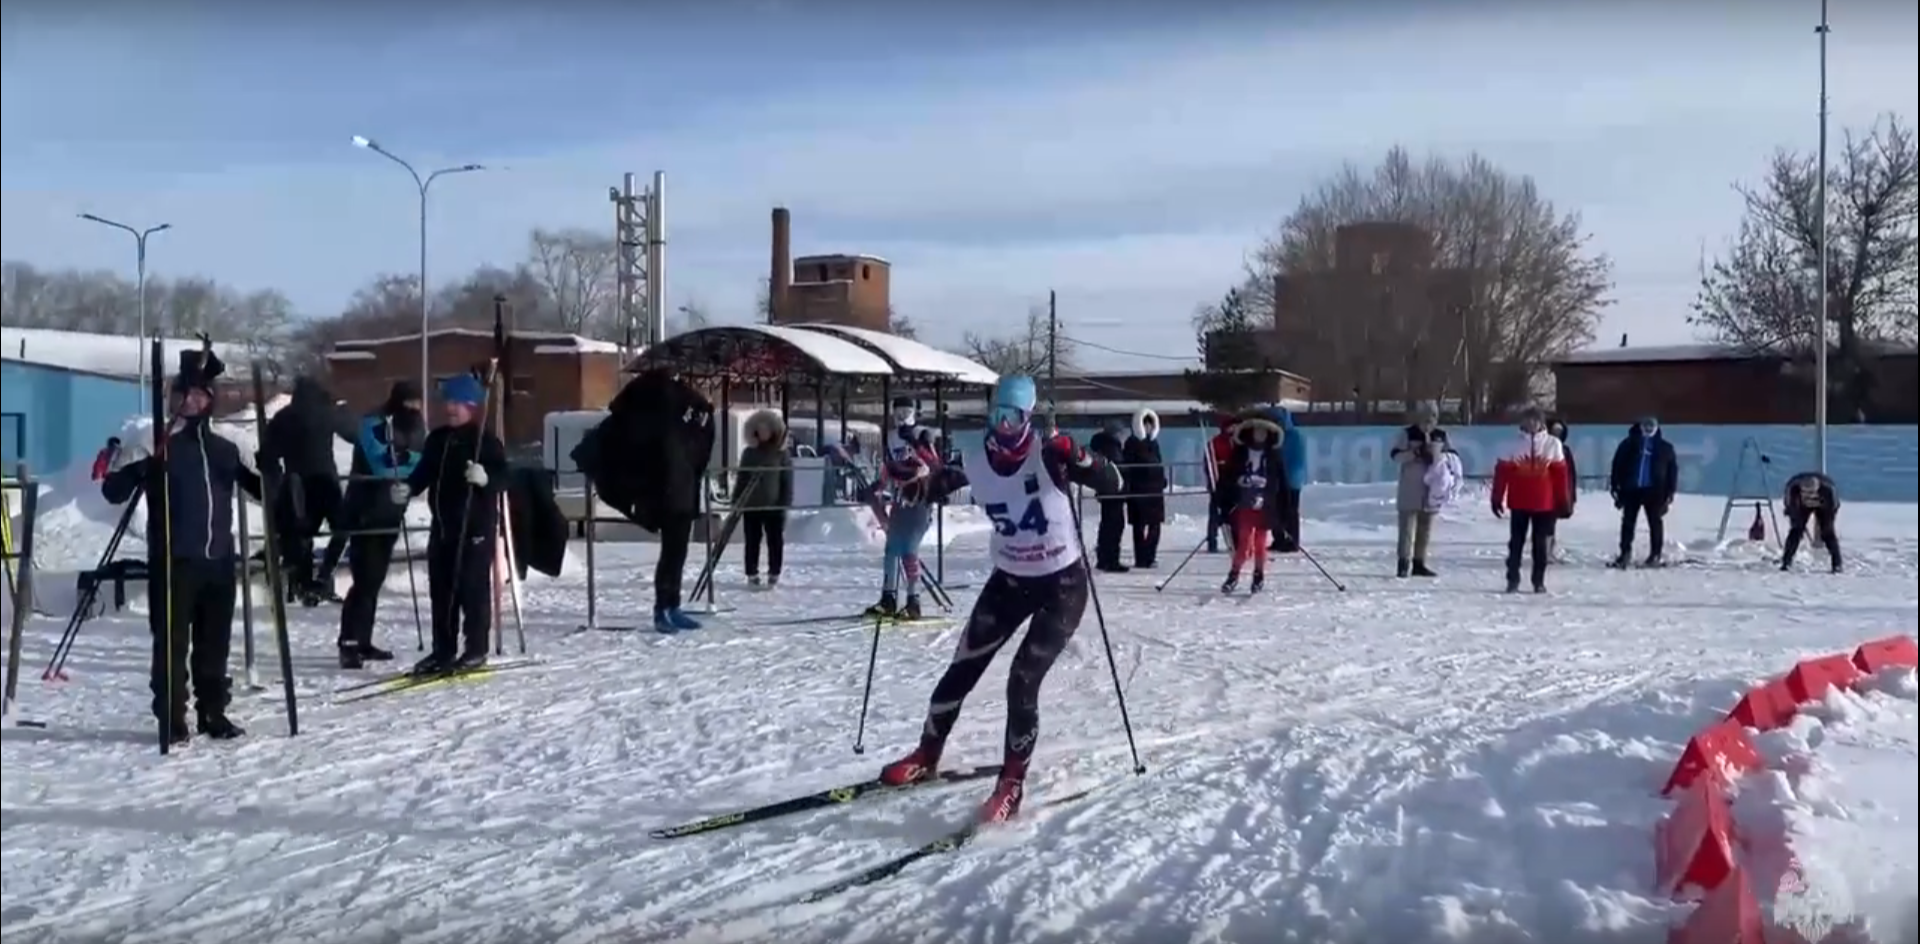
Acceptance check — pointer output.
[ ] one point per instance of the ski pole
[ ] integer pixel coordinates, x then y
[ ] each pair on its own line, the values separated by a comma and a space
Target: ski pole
246, 592
1184, 561
56, 669
406, 544
1337, 585
866, 694
1106, 642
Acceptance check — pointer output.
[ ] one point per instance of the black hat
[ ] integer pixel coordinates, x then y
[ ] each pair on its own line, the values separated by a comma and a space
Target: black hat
198, 370
403, 390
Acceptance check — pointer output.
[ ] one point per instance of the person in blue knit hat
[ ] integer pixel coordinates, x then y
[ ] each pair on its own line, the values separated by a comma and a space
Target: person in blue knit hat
462, 468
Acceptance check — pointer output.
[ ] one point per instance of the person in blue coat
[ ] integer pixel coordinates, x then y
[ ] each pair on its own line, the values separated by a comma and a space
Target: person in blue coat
1293, 454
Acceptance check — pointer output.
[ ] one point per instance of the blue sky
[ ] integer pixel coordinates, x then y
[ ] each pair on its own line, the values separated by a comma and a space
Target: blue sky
1127, 155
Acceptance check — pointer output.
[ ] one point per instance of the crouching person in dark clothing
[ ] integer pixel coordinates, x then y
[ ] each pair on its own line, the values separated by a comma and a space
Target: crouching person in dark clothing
1811, 497
384, 454
189, 483
462, 470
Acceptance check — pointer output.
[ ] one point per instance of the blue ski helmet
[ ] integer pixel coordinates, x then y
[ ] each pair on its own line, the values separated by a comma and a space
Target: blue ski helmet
1014, 398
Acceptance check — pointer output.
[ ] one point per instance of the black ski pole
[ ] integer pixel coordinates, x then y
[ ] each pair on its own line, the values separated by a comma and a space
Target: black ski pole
1337, 585
866, 694
406, 545
1106, 642
1184, 561
246, 593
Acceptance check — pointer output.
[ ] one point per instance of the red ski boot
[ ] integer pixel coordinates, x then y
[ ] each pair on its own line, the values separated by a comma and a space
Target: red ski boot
918, 766
1004, 802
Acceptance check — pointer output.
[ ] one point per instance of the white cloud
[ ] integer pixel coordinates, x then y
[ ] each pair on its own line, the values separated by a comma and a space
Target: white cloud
1134, 187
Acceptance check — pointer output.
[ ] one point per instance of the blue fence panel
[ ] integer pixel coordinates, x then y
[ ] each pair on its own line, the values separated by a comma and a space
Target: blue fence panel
1870, 463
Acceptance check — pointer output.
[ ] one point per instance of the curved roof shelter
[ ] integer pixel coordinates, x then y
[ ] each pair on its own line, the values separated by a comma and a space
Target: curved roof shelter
762, 352
910, 358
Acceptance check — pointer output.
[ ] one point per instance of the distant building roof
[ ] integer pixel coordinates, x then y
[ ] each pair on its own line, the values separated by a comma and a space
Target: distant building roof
549, 339
1667, 353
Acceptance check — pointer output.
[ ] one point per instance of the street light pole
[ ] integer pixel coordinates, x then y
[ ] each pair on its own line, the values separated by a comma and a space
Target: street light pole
1820, 201
423, 185
140, 276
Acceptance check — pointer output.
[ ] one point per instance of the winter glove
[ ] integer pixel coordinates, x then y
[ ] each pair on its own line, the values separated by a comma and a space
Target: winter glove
1499, 510
1618, 502
400, 493
476, 475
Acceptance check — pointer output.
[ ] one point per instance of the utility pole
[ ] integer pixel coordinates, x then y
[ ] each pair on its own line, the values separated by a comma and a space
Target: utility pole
1820, 201
1053, 358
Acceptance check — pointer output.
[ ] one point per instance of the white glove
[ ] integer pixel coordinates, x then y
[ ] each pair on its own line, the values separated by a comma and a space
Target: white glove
400, 493
476, 475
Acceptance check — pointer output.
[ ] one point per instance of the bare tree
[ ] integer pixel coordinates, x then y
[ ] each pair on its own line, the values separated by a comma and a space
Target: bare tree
107, 303
901, 325
1021, 351
1762, 295
576, 268
1533, 287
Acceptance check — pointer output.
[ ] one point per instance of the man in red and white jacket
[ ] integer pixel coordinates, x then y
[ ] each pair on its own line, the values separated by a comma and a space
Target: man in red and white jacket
1530, 479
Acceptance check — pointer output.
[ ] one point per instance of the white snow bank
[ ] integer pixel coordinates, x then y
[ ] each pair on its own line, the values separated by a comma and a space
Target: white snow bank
1841, 801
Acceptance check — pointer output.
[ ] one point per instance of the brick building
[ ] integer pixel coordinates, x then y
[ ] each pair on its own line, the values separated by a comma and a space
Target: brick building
854, 290
543, 372
1700, 383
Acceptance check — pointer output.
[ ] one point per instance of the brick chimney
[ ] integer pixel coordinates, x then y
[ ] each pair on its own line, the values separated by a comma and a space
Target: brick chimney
780, 277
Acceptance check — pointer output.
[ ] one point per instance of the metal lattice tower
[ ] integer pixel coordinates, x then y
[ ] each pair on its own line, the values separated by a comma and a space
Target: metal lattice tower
640, 242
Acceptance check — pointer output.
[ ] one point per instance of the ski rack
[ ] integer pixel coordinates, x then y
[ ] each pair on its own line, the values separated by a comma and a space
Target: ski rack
1762, 465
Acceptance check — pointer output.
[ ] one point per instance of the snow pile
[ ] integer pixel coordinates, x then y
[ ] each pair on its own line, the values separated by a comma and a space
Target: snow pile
1839, 802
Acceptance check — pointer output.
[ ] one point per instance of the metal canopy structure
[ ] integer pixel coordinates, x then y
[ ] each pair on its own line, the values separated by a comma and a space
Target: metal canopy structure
910, 358
763, 353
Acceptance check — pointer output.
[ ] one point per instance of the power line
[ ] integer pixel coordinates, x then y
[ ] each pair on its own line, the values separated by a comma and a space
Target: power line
1114, 350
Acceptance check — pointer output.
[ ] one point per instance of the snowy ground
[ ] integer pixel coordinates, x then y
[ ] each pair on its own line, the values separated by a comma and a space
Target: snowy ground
1408, 760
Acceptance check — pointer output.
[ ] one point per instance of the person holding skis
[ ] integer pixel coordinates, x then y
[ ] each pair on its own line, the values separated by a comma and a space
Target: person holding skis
1113, 511
385, 453
1257, 475
906, 469
462, 467
190, 551
1021, 480
1811, 497
1530, 482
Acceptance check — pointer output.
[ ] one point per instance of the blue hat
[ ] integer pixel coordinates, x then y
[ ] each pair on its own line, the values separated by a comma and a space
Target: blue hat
465, 388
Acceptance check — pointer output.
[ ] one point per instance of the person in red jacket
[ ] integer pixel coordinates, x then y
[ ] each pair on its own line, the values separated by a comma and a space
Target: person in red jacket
1220, 502
1530, 481
103, 460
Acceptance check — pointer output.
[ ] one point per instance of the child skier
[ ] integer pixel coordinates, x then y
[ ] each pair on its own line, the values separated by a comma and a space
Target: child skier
1256, 474
1021, 480
191, 517
461, 467
906, 469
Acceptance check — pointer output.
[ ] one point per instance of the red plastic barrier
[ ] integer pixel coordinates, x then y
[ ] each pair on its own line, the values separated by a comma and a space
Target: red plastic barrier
1812, 679
1888, 653
1721, 751
1696, 840
1767, 707
1728, 915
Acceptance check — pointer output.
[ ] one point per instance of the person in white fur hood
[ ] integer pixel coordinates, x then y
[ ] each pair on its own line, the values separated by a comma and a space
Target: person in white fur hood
1145, 474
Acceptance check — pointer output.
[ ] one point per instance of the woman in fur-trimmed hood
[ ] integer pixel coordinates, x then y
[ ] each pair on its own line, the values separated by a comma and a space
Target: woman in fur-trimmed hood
1256, 476
764, 492
1145, 475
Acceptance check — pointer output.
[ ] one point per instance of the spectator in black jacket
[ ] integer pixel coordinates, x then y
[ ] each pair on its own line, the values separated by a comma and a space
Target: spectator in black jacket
298, 441
189, 482
764, 493
1644, 478
462, 469
373, 512
1146, 484
1108, 444
1811, 497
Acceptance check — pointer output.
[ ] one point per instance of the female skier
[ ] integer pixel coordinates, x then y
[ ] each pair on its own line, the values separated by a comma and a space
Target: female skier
1255, 476
906, 469
1020, 479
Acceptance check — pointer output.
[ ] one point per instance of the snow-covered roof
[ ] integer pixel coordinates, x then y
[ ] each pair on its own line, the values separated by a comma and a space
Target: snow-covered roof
118, 355
575, 344
841, 257
910, 356
1654, 353
829, 354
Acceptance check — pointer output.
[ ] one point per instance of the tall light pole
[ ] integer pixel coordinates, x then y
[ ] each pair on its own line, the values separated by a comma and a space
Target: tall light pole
423, 184
140, 276
1820, 205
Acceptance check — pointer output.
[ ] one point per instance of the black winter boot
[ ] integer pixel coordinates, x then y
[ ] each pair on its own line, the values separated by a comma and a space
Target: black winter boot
1403, 568
1420, 569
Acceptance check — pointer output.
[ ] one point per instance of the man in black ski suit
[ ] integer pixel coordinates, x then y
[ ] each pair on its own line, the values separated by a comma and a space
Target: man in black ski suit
1644, 478
462, 469
647, 460
189, 483
1107, 444
299, 441
1146, 477
1811, 497
384, 454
